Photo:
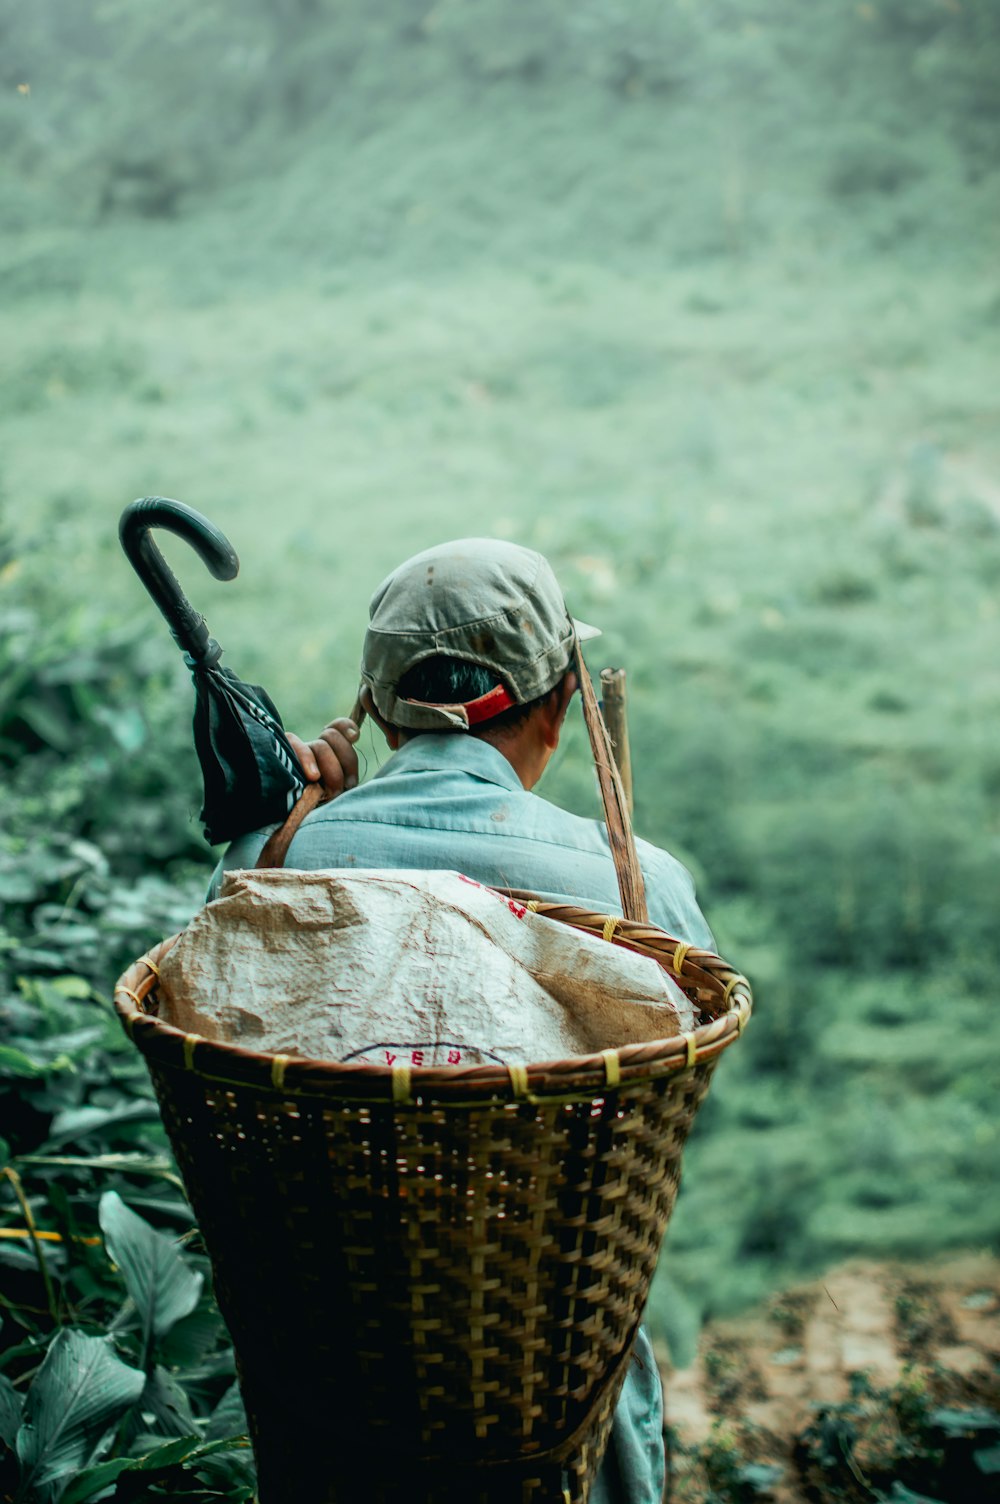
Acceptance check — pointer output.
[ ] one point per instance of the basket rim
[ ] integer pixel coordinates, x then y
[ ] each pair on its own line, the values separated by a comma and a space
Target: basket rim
701, 973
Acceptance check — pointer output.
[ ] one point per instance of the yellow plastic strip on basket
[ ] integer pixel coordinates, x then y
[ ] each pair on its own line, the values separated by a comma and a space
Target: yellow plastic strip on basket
610, 925
129, 993
731, 985
547, 1099
190, 1040
532, 905
401, 1084
680, 956
691, 1041
152, 966
278, 1070
612, 1067
401, 1081
518, 1079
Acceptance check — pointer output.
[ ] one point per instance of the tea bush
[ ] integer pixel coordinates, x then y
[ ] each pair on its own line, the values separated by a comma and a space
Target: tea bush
114, 1364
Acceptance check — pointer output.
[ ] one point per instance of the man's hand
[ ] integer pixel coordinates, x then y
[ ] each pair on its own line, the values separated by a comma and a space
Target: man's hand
330, 760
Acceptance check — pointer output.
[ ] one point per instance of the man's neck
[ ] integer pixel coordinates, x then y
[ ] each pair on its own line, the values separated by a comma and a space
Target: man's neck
525, 752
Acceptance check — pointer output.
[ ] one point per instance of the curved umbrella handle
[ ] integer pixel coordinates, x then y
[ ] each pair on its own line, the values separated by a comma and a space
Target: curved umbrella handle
187, 626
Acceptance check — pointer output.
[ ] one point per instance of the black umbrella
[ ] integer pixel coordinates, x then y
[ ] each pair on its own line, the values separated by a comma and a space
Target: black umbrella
252, 776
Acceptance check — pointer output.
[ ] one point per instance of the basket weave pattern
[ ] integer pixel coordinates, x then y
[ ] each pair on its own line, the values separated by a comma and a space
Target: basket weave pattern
433, 1280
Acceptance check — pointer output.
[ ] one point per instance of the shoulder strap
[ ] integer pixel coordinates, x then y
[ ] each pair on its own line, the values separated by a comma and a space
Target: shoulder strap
276, 846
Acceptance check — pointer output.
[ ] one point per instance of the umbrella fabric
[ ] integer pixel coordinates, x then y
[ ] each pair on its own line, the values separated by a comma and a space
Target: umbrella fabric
252, 777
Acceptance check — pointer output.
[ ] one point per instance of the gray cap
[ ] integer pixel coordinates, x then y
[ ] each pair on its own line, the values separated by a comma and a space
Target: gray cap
483, 601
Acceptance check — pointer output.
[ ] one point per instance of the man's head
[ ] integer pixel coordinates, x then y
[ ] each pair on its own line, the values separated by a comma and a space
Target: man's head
468, 637
477, 604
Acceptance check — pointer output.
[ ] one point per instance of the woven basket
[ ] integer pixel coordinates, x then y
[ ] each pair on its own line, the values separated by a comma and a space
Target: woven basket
433, 1278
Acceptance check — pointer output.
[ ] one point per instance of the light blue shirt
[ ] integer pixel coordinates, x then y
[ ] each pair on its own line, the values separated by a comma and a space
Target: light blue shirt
453, 802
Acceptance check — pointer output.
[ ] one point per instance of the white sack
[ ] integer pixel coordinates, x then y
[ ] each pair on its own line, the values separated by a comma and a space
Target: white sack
418, 968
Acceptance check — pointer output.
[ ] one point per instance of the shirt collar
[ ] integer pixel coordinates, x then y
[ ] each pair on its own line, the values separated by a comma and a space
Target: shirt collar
453, 752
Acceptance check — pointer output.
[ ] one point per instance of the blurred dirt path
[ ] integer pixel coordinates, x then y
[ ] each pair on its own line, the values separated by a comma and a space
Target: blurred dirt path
757, 1380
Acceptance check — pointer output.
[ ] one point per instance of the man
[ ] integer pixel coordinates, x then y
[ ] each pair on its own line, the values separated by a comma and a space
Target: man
467, 671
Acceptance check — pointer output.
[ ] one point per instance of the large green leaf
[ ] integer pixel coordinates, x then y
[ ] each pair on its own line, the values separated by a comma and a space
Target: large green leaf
969, 1422
228, 1471
49, 723
186, 1449
190, 1340
902, 1495
11, 1406
93, 1479
74, 1044
987, 1459
133, 1164
166, 1409
229, 1418
80, 1390
17, 887
17, 1063
163, 1288
80, 1122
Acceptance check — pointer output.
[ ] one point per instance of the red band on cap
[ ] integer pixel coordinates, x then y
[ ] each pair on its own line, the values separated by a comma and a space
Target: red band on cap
489, 705
483, 709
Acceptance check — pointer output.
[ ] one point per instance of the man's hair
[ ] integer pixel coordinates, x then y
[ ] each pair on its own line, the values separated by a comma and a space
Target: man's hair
452, 681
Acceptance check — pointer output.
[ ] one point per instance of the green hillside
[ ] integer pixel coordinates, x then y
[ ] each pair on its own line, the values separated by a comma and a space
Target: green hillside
700, 298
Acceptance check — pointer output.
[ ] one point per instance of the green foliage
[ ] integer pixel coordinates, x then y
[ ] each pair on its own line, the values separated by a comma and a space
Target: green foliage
11, 1410
89, 740
80, 1391
86, 1400
153, 1395
896, 1446
881, 1446
115, 1378
165, 1460
163, 1290
720, 1471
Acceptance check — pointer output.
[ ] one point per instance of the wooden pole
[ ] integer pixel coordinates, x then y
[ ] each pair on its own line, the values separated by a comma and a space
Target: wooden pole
631, 885
615, 706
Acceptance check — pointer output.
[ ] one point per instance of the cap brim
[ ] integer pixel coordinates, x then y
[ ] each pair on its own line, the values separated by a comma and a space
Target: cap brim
584, 631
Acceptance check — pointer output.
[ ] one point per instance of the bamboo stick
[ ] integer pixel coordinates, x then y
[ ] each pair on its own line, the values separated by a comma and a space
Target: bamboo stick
620, 838
615, 707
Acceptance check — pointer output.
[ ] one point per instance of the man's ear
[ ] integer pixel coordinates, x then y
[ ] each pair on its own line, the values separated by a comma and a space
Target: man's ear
391, 733
555, 708
568, 689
